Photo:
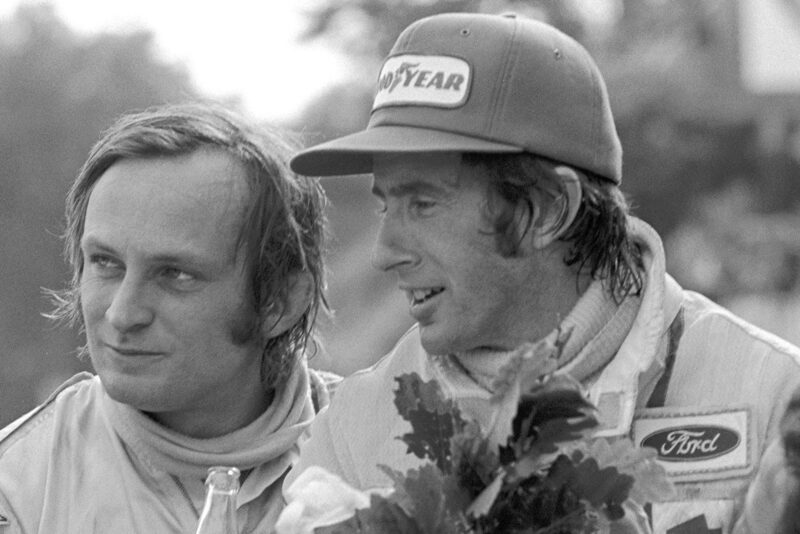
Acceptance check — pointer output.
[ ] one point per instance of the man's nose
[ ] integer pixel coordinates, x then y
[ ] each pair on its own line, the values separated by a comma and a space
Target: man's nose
129, 309
392, 248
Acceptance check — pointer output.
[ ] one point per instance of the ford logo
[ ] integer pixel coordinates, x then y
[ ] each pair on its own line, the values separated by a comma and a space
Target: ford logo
692, 442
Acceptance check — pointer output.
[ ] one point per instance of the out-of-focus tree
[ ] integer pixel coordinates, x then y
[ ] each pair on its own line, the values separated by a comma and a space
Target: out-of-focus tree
687, 125
685, 122
58, 90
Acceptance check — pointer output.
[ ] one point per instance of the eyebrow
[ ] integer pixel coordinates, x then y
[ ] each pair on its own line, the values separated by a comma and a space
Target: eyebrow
94, 241
181, 257
408, 188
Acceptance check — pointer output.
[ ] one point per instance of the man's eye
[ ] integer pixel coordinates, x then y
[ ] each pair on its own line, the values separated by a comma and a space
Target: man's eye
419, 205
177, 275
103, 263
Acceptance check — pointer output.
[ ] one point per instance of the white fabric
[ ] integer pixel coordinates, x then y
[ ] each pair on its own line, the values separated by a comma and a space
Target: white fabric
83, 463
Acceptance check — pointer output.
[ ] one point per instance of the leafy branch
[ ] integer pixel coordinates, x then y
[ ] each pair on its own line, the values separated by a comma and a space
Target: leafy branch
549, 477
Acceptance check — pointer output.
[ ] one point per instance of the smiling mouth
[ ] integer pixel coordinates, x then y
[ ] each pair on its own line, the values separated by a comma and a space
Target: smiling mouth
417, 297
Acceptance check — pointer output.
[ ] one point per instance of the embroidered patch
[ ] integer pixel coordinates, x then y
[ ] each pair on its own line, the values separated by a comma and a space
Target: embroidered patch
439, 81
694, 442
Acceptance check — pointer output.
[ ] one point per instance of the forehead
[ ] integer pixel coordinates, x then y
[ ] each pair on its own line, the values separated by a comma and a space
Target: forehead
199, 179
192, 200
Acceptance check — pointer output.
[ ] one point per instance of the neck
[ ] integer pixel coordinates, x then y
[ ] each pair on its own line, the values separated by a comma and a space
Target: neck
217, 417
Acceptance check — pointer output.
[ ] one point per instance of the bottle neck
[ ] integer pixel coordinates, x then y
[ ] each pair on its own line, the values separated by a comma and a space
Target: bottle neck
219, 510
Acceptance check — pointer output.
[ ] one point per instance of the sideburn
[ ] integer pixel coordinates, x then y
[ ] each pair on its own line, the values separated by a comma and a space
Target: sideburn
244, 326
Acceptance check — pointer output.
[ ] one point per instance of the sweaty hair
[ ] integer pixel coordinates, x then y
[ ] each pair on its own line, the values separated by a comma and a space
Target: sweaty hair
600, 244
282, 232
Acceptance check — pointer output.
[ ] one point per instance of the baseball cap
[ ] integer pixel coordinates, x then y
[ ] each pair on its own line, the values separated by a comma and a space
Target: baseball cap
469, 82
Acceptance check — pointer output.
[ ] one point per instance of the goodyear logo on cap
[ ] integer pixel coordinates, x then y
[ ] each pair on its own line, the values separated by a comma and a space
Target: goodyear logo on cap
439, 81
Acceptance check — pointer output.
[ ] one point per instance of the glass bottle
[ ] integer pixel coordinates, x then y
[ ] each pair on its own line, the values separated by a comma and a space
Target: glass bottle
219, 511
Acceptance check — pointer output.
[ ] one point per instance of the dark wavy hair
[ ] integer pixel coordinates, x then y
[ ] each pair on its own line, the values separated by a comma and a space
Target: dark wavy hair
282, 233
600, 242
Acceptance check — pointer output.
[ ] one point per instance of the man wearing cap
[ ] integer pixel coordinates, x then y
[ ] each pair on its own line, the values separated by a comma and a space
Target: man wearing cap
497, 164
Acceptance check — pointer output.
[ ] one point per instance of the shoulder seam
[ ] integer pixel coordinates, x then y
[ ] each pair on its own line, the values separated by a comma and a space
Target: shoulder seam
36, 415
770, 340
386, 356
35, 418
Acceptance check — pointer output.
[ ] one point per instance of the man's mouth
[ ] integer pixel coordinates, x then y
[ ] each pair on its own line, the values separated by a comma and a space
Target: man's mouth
420, 296
132, 351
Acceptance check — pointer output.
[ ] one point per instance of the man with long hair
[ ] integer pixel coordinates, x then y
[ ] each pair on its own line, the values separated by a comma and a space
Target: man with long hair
197, 274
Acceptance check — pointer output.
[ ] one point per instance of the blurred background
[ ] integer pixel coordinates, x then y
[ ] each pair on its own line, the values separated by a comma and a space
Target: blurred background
706, 95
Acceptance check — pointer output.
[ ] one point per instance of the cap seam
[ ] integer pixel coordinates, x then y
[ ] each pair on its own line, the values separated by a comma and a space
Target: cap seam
405, 43
502, 88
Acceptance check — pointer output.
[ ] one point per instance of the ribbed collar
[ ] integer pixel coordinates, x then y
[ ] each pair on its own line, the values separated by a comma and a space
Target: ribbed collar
597, 327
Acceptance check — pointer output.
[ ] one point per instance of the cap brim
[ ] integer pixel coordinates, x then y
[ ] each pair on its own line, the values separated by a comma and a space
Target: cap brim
352, 154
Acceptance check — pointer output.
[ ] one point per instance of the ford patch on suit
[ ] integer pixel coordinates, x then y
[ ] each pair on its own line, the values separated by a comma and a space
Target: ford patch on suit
697, 443
692, 442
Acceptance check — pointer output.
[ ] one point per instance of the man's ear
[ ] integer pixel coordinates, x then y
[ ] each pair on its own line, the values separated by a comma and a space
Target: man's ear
555, 216
284, 315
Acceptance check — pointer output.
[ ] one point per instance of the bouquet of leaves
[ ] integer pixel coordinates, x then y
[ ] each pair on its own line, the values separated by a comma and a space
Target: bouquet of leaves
548, 476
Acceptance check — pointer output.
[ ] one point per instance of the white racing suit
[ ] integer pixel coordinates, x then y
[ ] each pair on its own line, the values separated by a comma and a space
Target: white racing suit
84, 463
703, 387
